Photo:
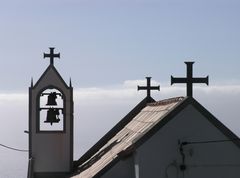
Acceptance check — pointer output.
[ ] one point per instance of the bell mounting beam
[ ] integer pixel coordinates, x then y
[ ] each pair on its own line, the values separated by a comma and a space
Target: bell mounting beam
51, 55
189, 80
149, 87
47, 108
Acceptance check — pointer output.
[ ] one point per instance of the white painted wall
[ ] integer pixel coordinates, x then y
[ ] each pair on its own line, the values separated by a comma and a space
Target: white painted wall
123, 169
160, 156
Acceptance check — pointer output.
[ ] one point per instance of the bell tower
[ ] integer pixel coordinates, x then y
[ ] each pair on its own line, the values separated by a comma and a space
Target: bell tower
50, 124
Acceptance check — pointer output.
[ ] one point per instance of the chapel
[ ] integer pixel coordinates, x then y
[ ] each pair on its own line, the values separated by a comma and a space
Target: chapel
175, 137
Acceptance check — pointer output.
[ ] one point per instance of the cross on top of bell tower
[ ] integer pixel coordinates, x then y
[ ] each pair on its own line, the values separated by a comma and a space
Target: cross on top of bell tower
51, 55
189, 80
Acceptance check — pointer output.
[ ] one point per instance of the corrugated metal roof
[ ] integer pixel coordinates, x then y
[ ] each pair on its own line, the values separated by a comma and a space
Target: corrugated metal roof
125, 138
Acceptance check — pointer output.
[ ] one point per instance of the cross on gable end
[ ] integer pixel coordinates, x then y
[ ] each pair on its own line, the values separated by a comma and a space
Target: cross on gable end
189, 80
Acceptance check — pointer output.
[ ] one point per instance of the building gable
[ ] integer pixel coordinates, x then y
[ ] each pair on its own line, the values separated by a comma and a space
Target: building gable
207, 115
51, 76
151, 120
188, 144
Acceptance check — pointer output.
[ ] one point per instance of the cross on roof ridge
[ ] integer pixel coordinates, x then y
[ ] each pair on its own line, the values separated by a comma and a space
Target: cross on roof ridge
149, 87
51, 55
189, 80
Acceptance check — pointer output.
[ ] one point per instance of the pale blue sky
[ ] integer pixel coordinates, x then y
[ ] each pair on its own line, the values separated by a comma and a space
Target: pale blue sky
106, 42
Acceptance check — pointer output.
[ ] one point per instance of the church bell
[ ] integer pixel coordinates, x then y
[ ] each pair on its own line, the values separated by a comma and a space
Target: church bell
52, 116
52, 99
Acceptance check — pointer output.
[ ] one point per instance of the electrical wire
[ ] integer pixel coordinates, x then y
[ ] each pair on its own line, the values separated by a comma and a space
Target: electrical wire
11, 148
209, 141
212, 165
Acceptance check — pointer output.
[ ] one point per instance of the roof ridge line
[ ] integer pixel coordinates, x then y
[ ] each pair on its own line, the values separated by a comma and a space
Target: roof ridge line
166, 101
